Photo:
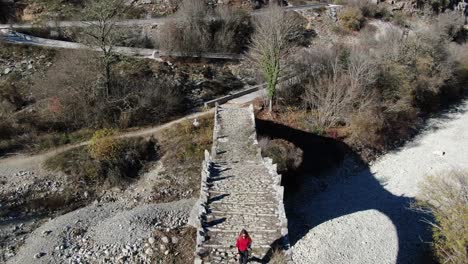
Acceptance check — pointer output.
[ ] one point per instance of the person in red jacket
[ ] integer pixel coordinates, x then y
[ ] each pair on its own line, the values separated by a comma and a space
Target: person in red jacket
243, 244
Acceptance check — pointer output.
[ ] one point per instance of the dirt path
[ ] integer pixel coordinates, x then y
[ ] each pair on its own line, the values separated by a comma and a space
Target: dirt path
364, 218
25, 162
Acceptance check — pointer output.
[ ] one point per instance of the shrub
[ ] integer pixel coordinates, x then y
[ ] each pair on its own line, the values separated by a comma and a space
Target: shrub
351, 18
445, 196
78, 164
399, 19
369, 9
131, 155
278, 257
193, 31
104, 147
287, 156
340, 83
340, 2
449, 25
439, 5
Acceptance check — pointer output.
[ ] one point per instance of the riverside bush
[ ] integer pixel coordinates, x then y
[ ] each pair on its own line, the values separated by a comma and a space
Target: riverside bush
445, 196
381, 89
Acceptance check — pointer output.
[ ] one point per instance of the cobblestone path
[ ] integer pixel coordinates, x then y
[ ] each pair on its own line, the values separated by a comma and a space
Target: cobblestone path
242, 191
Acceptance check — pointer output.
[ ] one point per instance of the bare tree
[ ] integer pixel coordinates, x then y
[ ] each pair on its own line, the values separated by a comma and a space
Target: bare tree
187, 30
271, 44
338, 88
196, 28
101, 17
329, 97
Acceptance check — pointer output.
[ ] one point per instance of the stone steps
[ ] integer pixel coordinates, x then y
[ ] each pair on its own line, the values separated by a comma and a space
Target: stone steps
236, 208
240, 221
241, 192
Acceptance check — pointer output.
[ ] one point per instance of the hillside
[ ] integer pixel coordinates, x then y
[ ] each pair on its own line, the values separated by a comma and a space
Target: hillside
360, 106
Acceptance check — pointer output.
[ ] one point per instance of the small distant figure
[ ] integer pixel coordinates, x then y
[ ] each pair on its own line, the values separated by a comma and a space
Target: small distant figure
243, 244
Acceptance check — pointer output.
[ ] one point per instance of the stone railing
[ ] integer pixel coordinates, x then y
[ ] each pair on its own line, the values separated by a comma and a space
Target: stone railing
200, 206
272, 169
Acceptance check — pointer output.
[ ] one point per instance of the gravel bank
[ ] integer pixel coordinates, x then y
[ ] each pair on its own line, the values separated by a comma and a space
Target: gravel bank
364, 218
101, 233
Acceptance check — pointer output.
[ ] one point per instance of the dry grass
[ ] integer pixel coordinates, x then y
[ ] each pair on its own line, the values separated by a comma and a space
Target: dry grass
182, 148
287, 115
97, 172
445, 196
278, 257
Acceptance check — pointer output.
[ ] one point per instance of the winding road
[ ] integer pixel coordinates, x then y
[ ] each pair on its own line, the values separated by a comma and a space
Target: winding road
136, 22
7, 34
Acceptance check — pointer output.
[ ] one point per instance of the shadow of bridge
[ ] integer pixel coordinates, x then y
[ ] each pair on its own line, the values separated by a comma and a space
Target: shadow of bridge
312, 199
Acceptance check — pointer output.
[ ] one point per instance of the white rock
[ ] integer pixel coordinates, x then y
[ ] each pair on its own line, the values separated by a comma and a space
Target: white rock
149, 251
151, 240
165, 240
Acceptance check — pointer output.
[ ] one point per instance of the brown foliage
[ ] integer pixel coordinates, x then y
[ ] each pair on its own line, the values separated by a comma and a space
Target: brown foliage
287, 156
195, 28
72, 94
381, 88
351, 18
445, 196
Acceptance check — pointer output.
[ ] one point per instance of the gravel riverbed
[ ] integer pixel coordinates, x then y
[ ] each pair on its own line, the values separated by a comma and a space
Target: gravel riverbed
365, 217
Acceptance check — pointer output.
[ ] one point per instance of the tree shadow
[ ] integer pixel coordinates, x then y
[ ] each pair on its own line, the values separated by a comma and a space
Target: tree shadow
311, 199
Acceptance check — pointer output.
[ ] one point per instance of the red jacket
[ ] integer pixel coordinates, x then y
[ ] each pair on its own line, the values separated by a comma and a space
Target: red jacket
243, 243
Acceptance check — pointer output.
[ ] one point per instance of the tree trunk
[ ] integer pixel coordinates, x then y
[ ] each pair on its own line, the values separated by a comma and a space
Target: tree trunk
270, 105
108, 83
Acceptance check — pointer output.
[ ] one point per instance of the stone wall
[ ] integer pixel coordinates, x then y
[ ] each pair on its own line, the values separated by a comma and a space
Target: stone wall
198, 216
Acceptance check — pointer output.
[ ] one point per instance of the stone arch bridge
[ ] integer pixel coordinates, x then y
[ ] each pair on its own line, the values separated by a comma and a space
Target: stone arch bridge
239, 189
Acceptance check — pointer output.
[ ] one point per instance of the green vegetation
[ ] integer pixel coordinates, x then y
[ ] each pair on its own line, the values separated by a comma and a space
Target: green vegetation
106, 162
445, 196
351, 18
103, 146
182, 148
272, 42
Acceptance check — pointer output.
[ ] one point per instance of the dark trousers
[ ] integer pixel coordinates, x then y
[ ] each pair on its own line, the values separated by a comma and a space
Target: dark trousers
243, 257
